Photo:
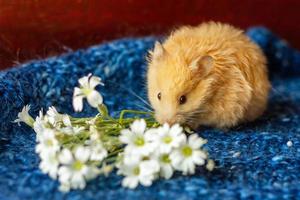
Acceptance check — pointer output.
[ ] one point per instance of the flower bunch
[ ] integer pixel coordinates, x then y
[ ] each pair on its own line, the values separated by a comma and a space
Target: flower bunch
69, 151
158, 152
76, 150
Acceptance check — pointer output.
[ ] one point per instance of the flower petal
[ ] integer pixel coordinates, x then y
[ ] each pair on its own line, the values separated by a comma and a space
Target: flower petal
166, 171
64, 187
163, 130
82, 154
91, 173
151, 134
77, 92
94, 81
176, 130
138, 126
131, 157
77, 103
149, 167
146, 180
24, 116
94, 99
176, 158
195, 141
64, 174
126, 136
77, 181
190, 167
130, 182
84, 81
199, 157
65, 157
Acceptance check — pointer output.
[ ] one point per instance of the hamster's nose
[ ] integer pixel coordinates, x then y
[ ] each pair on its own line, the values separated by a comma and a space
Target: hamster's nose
171, 121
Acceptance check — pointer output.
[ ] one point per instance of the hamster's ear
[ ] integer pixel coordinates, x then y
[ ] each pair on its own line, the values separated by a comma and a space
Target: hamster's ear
158, 52
202, 65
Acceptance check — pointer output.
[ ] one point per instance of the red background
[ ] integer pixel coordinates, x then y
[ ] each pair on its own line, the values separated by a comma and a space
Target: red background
31, 29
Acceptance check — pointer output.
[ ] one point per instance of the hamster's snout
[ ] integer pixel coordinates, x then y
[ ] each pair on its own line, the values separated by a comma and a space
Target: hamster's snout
166, 119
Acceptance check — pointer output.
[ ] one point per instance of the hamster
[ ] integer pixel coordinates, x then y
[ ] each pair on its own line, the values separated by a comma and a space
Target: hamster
209, 75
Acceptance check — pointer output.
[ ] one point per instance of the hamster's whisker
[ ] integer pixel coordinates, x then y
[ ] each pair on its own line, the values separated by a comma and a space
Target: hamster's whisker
186, 117
193, 113
144, 108
197, 112
137, 96
191, 117
190, 120
276, 92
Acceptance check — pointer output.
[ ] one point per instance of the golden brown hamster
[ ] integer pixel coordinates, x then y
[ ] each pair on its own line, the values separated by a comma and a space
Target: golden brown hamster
210, 75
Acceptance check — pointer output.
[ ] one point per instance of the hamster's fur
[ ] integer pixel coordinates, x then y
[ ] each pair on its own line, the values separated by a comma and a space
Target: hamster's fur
210, 75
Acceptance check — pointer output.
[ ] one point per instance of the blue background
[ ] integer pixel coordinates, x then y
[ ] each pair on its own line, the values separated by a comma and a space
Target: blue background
253, 160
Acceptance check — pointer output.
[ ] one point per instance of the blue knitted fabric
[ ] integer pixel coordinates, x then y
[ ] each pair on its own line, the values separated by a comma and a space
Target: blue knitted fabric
253, 160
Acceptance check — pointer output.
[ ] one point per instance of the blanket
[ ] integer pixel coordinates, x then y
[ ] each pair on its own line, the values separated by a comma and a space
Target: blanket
253, 161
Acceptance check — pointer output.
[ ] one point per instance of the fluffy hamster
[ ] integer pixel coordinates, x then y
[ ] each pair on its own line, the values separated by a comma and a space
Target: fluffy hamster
210, 75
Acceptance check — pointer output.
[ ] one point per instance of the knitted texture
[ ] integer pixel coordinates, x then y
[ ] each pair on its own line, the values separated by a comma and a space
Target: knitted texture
253, 160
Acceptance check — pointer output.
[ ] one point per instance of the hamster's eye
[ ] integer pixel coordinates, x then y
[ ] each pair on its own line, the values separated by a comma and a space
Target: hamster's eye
182, 99
159, 96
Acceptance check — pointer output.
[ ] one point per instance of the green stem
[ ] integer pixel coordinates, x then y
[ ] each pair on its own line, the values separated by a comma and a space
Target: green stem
111, 159
115, 152
123, 112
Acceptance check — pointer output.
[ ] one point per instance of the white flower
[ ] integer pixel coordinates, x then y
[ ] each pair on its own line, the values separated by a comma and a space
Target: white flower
62, 122
64, 187
75, 171
97, 151
106, 169
189, 154
87, 90
24, 116
47, 142
289, 143
143, 172
137, 142
56, 118
165, 163
166, 138
210, 165
49, 164
40, 124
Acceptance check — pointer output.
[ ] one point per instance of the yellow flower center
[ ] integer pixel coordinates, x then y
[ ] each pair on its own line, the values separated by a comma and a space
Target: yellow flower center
139, 141
167, 139
136, 171
165, 158
86, 91
49, 142
187, 151
77, 165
